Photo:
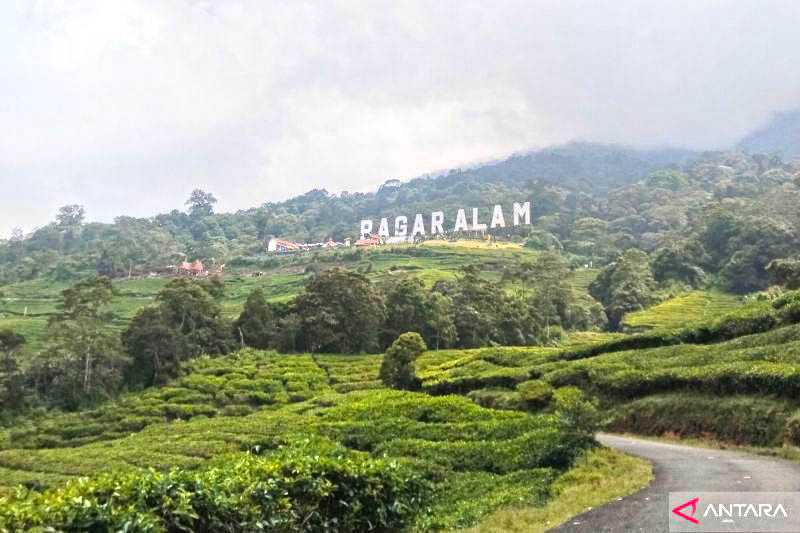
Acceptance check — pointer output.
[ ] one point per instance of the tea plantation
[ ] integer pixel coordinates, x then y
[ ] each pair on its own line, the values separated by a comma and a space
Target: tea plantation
735, 378
253, 410
258, 440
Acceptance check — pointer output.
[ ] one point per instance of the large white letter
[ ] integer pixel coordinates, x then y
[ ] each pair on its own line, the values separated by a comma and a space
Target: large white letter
437, 218
475, 225
419, 225
400, 226
366, 227
383, 229
461, 221
522, 210
497, 217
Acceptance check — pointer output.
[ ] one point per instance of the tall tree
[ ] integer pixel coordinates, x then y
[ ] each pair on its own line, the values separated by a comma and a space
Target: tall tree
624, 286
12, 390
83, 359
70, 215
156, 348
551, 294
340, 311
187, 306
440, 326
201, 203
477, 303
256, 324
407, 308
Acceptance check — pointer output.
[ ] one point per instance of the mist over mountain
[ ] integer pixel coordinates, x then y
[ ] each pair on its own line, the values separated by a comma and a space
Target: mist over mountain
781, 135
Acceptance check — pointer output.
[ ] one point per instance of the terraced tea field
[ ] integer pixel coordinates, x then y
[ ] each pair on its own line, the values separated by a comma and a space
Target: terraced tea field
682, 311
479, 459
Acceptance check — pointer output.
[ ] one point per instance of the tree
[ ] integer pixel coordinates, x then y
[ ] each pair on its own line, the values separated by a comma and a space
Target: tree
785, 272
678, 262
406, 308
82, 360
12, 381
187, 322
667, 179
17, 242
187, 306
440, 325
476, 303
155, 346
201, 203
551, 296
397, 368
624, 286
289, 333
340, 312
70, 216
256, 324
759, 242
577, 414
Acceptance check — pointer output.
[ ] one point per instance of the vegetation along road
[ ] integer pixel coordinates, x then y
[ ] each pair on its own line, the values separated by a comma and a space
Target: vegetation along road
679, 468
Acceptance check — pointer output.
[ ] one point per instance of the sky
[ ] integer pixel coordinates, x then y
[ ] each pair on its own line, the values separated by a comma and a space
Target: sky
126, 106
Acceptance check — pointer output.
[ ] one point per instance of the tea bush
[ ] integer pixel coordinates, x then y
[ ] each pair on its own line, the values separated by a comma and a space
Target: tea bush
298, 489
496, 398
536, 394
739, 419
228, 386
450, 442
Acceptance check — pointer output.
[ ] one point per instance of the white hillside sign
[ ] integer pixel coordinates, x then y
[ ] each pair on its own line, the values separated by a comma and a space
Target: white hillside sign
437, 224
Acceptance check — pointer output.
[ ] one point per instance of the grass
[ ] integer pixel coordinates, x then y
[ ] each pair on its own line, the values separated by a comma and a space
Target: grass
602, 475
682, 311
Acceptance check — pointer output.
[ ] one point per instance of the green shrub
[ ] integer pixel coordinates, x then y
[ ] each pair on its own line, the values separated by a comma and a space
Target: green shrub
791, 432
788, 307
236, 410
740, 419
535, 394
577, 414
496, 398
397, 370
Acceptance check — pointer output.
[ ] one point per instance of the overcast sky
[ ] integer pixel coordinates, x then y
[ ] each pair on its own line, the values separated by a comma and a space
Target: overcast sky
125, 106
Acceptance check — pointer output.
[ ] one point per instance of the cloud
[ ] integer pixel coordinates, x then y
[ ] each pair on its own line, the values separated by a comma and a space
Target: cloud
126, 106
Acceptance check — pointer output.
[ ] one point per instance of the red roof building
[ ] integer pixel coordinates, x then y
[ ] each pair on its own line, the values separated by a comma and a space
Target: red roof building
370, 240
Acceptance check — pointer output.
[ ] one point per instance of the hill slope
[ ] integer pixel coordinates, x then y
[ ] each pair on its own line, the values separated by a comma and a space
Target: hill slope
781, 135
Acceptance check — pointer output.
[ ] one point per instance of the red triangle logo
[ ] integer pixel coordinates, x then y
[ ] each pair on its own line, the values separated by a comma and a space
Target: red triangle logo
690, 517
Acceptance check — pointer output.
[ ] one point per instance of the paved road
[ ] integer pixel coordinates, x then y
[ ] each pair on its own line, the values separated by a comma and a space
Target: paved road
679, 468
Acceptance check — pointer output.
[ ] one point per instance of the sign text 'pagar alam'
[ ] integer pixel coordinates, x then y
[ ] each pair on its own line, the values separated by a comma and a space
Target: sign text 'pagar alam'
437, 223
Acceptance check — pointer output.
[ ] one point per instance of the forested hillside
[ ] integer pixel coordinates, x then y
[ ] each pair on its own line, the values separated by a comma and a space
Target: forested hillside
720, 214
70, 246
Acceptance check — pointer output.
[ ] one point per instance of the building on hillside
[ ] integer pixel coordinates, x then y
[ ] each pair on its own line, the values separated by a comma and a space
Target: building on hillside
280, 246
369, 241
195, 268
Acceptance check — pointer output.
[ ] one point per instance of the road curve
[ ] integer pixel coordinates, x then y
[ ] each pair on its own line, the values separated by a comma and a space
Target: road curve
679, 468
